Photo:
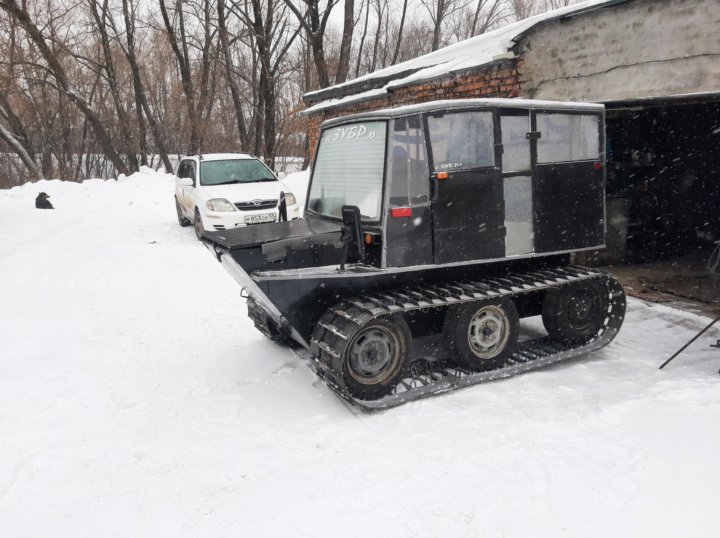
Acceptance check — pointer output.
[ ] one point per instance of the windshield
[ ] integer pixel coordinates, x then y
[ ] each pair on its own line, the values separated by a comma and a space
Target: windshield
234, 171
349, 170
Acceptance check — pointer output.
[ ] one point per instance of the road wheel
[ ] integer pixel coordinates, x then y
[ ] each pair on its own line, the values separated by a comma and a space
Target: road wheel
374, 358
198, 225
482, 335
182, 219
573, 314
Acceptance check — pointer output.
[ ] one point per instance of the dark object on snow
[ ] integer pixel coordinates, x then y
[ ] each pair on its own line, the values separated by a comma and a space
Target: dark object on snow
42, 202
429, 232
698, 335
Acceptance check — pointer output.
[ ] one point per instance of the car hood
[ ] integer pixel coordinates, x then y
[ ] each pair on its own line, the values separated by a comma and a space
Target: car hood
245, 192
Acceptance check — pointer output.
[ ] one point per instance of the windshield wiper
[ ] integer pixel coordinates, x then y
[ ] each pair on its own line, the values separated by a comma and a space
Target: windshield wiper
226, 182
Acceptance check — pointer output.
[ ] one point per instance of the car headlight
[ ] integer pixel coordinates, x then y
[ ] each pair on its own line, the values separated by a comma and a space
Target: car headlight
289, 198
219, 204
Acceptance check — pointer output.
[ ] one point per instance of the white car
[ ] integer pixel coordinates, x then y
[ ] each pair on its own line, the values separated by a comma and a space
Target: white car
221, 191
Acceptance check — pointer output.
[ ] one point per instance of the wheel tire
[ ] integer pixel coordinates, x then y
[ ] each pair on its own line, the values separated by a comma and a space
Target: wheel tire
198, 225
482, 335
375, 357
182, 219
573, 314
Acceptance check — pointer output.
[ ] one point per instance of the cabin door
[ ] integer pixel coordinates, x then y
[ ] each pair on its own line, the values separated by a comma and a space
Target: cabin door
569, 187
467, 195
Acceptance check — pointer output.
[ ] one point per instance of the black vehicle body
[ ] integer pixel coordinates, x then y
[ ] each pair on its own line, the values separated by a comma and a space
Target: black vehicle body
457, 227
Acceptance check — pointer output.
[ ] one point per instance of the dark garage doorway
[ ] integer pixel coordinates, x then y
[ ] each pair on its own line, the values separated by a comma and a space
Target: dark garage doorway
664, 193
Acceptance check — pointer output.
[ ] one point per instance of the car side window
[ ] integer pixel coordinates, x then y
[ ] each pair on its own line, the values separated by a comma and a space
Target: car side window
186, 169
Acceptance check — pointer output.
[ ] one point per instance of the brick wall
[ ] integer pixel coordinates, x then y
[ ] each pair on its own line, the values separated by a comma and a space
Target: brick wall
499, 79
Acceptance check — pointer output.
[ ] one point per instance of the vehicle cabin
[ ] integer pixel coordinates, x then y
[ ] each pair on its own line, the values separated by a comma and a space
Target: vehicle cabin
457, 181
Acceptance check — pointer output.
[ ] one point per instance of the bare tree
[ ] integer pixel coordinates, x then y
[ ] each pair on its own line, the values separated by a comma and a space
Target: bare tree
141, 102
522, 9
401, 27
15, 144
314, 21
346, 43
102, 18
230, 76
179, 39
364, 35
58, 71
440, 11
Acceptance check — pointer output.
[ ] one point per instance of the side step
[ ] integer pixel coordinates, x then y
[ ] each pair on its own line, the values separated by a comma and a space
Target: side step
427, 378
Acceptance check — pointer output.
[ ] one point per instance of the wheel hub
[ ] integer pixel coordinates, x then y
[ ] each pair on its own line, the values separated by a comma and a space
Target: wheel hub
372, 355
488, 332
580, 309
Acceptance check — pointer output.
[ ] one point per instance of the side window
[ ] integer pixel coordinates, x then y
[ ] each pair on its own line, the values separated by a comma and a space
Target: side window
516, 147
186, 169
410, 173
568, 137
182, 170
462, 140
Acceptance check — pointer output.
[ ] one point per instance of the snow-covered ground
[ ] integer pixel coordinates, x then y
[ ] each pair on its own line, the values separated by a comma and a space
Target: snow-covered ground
136, 399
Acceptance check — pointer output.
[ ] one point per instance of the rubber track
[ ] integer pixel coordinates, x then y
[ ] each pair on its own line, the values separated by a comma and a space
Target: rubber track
338, 324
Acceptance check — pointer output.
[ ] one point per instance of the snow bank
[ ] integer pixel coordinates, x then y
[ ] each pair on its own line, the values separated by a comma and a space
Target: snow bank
136, 399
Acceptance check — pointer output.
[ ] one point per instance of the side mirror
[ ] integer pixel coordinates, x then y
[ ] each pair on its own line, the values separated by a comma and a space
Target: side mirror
186, 182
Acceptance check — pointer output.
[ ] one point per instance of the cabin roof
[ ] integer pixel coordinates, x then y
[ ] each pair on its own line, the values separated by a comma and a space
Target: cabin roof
464, 104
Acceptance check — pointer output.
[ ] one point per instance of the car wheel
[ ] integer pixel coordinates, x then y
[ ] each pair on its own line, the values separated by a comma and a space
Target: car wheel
182, 219
482, 335
573, 314
198, 225
374, 359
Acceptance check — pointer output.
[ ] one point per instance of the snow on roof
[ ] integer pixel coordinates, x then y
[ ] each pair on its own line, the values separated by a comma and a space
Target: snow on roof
465, 55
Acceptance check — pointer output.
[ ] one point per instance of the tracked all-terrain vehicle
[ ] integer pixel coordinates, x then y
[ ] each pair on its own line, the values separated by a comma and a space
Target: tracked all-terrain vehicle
429, 231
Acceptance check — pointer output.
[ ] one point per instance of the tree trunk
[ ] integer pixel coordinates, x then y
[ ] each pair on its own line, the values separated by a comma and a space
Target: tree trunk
396, 54
140, 97
123, 124
18, 148
362, 39
346, 42
230, 76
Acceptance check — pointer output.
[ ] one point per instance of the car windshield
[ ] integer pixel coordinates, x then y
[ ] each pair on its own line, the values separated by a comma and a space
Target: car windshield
349, 170
234, 171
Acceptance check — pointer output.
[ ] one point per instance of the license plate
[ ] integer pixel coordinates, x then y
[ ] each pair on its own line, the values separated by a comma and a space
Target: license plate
254, 219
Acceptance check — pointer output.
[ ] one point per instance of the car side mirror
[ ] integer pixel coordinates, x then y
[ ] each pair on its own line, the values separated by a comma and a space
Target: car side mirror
186, 182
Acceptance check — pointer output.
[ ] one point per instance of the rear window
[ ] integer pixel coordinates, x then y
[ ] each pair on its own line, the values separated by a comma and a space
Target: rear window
349, 170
